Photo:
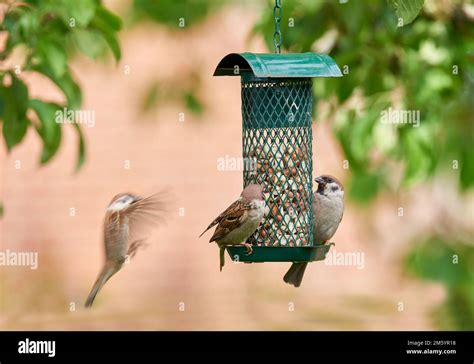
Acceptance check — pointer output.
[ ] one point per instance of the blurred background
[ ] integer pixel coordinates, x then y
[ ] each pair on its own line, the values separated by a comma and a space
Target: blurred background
144, 69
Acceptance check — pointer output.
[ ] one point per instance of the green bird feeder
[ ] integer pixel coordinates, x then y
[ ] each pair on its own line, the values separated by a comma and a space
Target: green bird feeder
277, 99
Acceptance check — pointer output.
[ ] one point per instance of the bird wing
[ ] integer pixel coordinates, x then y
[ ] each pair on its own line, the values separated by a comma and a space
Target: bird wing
115, 237
147, 213
229, 220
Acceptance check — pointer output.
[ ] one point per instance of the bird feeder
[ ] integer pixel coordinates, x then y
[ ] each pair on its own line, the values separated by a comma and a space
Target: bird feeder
276, 92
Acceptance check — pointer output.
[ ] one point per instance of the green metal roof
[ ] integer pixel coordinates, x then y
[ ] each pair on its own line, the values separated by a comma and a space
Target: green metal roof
286, 65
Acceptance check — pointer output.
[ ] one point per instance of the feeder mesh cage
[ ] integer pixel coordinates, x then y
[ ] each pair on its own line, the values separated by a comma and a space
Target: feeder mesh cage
277, 149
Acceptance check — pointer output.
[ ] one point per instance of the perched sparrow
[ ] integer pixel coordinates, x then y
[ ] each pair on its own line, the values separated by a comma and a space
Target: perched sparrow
125, 216
239, 221
328, 207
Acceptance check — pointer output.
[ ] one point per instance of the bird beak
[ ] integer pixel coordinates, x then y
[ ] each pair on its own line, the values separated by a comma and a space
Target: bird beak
319, 180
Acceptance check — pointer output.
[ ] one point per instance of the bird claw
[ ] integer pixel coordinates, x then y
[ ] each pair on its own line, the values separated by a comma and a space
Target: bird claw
248, 247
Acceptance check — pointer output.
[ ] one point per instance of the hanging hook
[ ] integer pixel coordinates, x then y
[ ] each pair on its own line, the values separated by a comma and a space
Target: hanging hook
277, 37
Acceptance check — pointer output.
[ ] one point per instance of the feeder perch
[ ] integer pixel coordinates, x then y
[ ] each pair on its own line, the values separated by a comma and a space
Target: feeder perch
276, 92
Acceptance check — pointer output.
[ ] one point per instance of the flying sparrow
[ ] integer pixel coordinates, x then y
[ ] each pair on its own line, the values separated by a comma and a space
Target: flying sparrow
239, 221
126, 216
328, 207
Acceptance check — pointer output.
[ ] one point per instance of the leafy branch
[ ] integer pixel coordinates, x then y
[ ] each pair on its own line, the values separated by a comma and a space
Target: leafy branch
395, 54
42, 37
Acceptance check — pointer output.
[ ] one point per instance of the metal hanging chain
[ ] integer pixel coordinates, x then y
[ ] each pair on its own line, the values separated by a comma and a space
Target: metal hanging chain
277, 38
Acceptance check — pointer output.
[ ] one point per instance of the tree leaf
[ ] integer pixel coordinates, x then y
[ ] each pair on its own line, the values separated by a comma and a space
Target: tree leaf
364, 187
15, 122
3, 103
82, 11
466, 177
81, 151
418, 160
433, 260
49, 128
113, 43
193, 103
407, 10
67, 85
151, 97
19, 92
89, 42
362, 134
14, 129
170, 11
108, 24
54, 55
112, 21
28, 24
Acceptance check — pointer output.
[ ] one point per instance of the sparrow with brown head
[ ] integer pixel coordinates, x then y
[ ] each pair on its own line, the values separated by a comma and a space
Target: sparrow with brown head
239, 221
328, 208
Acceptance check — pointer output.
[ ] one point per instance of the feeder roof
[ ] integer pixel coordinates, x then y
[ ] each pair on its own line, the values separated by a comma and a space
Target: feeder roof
288, 65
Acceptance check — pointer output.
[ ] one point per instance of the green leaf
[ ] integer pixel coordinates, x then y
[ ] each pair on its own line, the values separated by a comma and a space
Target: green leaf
343, 130
193, 103
361, 134
54, 55
108, 24
49, 128
407, 10
364, 187
3, 103
108, 18
417, 155
20, 95
452, 264
81, 152
113, 43
170, 11
151, 98
81, 10
29, 24
433, 260
67, 85
467, 166
14, 130
89, 42
15, 122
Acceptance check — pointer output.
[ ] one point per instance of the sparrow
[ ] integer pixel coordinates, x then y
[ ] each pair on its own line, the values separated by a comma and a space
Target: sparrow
328, 208
126, 216
238, 221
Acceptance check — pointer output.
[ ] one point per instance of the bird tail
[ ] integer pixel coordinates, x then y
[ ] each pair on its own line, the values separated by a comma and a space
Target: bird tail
295, 274
221, 257
107, 272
